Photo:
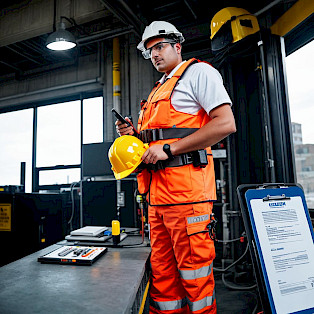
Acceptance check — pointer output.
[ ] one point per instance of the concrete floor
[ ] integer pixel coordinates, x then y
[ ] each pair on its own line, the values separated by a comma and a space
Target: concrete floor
231, 301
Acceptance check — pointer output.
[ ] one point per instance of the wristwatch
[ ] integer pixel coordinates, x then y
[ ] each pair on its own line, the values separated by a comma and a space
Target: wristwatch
166, 149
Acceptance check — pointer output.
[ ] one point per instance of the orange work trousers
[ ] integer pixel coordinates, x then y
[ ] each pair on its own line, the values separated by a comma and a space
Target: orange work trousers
182, 257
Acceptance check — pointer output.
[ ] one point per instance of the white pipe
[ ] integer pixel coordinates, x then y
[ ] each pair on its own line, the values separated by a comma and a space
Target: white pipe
267, 7
49, 89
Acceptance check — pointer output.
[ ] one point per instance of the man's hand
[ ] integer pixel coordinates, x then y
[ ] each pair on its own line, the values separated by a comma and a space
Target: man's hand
123, 129
153, 154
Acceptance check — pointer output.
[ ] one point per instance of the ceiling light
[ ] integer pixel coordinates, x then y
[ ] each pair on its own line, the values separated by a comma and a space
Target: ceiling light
61, 39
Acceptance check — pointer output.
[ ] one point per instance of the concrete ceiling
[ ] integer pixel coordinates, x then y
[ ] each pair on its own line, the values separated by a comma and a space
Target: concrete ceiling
25, 26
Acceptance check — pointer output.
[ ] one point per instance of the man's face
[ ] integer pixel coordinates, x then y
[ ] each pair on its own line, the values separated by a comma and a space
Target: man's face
164, 56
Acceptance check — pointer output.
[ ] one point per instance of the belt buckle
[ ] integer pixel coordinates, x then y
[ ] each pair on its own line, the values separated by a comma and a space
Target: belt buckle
142, 136
149, 136
160, 134
146, 136
159, 165
154, 134
187, 158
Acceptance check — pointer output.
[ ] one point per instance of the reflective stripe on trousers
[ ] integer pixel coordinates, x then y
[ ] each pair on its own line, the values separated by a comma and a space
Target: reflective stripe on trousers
200, 304
178, 304
168, 305
196, 273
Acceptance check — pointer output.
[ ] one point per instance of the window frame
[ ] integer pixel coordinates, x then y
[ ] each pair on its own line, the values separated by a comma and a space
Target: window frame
36, 187
36, 170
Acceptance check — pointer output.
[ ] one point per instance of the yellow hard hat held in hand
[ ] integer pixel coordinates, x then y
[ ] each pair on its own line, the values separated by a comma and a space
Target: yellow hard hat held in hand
125, 154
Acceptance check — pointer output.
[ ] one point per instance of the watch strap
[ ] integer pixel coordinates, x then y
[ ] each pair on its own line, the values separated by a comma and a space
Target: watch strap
166, 149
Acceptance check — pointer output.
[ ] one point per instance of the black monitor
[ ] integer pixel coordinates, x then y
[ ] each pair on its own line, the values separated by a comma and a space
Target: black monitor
95, 161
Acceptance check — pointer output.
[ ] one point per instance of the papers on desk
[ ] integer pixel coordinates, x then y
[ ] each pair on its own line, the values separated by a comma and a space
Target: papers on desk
287, 252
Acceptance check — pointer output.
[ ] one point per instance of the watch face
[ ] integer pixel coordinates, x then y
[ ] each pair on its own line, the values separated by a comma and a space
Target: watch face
166, 149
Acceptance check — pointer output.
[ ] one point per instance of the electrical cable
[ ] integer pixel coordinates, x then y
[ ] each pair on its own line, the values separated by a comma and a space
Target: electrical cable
133, 232
228, 241
142, 219
255, 308
72, 201
118, 246
54, 15
73, 184
222, 56
237, 287
72, 21
135, 244
135, 194
72, 211
130, 246
234, 263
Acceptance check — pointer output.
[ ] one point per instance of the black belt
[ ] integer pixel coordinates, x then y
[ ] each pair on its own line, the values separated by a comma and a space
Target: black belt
197, 158
151, 135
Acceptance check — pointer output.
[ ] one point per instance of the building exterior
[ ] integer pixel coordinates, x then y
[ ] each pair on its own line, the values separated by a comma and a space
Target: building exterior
304, 161
297, 133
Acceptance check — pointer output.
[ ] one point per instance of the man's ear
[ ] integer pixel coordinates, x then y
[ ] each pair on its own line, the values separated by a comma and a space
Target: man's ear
178, 48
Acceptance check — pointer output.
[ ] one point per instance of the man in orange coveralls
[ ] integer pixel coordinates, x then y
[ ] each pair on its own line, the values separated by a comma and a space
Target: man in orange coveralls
187, 111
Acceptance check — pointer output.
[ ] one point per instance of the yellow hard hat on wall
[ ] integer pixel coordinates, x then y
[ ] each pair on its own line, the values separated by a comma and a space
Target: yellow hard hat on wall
125, 155
230, 25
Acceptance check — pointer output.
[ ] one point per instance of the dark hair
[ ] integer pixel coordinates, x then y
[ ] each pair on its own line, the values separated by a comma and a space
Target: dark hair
173, 37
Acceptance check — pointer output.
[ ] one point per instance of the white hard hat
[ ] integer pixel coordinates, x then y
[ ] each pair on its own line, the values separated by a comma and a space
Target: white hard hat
159, 28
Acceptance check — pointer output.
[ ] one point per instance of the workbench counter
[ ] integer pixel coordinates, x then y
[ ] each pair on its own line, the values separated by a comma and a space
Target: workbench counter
110, 285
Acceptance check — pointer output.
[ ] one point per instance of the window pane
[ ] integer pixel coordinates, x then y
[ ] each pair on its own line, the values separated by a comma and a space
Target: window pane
16, 137
93, 120
300, 78
60, 176
58, 134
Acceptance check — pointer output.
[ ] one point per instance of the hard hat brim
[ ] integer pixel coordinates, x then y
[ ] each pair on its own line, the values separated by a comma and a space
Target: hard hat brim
222, 38
127, 172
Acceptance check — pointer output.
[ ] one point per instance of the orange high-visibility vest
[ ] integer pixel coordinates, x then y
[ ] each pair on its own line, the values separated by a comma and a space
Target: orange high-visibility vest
175, 185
